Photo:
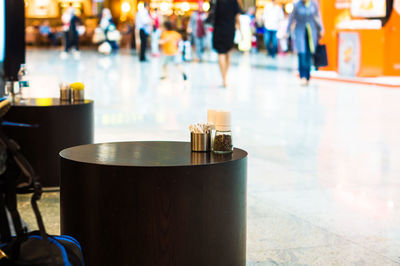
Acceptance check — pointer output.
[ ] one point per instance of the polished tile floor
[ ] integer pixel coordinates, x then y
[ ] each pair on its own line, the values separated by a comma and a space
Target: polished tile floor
324, 160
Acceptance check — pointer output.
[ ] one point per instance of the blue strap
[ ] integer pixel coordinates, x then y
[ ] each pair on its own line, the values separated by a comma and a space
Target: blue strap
69, 239
62, 249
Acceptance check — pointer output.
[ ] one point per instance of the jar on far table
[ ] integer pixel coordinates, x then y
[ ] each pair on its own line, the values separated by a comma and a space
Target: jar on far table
78, 91
223, 134
65, 92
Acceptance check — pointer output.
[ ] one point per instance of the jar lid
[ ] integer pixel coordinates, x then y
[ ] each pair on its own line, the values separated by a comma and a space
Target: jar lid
211, 116
223, 120
77, 86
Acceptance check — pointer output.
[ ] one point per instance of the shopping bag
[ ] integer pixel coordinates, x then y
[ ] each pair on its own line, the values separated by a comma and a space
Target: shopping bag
98, 36
114, 35
320, 56
81, 30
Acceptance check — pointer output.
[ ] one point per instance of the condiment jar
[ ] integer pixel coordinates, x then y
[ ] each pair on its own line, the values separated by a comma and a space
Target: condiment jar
65, 92
223, 133
78, 91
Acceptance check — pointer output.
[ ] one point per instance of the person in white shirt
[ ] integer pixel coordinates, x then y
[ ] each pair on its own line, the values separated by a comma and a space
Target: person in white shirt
273, 17
143, 27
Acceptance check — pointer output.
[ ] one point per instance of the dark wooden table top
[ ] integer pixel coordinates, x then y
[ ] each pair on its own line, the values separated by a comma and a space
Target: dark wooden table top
147, 154
45, 102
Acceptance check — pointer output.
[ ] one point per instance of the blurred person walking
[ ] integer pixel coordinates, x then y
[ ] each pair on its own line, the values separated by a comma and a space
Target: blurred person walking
259, 30
170, 48
155, 35
281, 35
226, 18
71, 22
46, 31
197, 30
273, 17
66, 19
253, 26
246, 31
143, 29
307, 32
111, 34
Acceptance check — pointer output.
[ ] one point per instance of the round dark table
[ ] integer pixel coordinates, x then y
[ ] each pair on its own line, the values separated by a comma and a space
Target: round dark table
155, 203
60, 125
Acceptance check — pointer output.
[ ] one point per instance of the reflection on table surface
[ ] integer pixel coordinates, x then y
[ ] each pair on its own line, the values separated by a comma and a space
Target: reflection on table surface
42, 102
147, 154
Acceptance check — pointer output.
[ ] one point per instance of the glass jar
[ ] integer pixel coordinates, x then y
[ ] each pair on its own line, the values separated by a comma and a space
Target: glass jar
223, 141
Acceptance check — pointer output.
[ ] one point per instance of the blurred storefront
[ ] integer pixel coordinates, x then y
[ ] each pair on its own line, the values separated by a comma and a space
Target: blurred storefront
362, 36
262, 3
121, 9
39, 12
49, 12
53, 9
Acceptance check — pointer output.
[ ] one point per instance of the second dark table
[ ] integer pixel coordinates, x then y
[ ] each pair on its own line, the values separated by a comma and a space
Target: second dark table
61, 125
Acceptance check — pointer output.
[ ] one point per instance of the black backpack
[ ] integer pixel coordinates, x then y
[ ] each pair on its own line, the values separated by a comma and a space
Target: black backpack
33, 248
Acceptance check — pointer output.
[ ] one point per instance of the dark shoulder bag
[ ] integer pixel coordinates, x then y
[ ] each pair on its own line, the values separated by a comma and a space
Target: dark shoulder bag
212, 13
320, 56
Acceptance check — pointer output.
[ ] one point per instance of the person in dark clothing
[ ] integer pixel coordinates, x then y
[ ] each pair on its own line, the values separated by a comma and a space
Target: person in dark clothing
226, 17
72, 34
71, 23
143, 25
46, 31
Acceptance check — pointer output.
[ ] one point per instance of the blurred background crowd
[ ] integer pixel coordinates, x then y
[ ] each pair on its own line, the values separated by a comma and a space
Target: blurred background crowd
108, 26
